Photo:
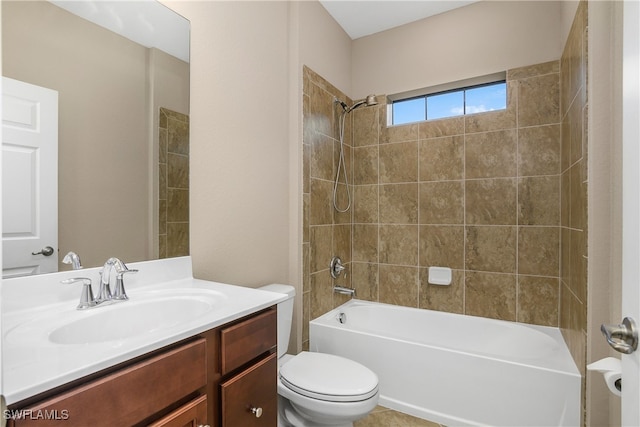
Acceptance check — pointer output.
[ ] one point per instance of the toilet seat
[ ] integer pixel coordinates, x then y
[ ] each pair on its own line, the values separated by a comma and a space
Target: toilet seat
328, 377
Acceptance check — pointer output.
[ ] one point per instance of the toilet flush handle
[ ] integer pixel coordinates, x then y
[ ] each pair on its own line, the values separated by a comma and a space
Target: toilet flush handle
256, 411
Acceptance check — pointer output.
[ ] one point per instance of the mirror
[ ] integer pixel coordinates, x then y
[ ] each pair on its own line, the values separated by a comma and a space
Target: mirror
123, 101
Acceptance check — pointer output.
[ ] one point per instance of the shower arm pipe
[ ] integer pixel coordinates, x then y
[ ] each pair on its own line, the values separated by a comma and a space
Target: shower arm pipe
370, 100
356, 105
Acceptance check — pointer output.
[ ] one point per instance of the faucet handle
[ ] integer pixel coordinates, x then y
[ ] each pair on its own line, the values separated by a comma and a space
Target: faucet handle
120, 293
336, 267
86, 298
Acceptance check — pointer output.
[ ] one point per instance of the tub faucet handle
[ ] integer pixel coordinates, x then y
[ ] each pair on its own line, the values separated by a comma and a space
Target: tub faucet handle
336, 267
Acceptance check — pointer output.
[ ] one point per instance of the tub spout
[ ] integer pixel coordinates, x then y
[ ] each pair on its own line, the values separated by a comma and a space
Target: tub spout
344, 291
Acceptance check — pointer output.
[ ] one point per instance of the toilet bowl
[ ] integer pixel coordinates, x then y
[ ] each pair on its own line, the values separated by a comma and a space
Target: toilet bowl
316, 389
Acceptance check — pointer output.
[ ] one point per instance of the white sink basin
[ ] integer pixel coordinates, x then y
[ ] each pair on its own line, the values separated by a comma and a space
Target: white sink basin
145, 313
126, 320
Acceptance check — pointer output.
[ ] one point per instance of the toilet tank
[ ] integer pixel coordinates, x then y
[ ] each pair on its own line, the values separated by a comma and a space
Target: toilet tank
285, 314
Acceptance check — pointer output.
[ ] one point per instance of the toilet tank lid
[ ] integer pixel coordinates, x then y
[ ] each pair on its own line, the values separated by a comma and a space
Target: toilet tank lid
282, 289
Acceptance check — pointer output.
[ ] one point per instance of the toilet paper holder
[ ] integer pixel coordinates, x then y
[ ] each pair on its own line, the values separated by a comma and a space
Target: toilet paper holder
611, 369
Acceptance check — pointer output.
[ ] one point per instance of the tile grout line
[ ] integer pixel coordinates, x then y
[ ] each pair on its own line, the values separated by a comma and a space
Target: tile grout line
418, 281
517, 99
377, 267
464, 216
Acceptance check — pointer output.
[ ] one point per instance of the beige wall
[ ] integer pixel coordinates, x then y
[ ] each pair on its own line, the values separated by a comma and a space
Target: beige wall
239, 208
103, 146
478, 39
246, 198
324, 46
567, 13
321, 43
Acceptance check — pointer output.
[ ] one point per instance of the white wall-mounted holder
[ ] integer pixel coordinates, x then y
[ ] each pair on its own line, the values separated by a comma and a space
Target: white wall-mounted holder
611, 369
439, 276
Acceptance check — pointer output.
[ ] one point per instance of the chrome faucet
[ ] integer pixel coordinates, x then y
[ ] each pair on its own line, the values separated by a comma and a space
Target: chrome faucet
344, 291
73, 259
104, 294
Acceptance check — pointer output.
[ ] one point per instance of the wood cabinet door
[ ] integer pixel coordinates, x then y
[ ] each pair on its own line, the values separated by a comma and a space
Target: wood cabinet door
192, 414
125, 397
247, 340
250, 399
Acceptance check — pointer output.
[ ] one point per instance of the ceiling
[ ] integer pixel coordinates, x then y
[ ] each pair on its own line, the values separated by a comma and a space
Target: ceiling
361, 18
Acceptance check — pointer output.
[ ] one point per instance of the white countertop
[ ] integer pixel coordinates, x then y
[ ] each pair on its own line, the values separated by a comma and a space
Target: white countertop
33, 364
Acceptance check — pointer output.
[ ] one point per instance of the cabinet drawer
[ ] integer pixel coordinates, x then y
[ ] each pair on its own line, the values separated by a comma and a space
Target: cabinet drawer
127, 396
193, 414
255, 387
247, 340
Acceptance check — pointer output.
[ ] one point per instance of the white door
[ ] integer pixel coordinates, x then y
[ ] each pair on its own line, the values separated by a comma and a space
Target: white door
631, 206
29, 179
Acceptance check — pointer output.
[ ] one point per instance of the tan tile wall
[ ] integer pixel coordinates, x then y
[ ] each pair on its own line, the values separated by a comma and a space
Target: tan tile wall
173, 195
325, 232
479, 194
574, 182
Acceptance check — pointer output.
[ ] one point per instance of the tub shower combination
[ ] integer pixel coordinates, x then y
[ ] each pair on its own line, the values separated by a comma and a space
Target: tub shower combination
455, 369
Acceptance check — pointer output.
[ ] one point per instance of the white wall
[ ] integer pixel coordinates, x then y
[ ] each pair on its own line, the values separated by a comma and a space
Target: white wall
475, 40
605, 199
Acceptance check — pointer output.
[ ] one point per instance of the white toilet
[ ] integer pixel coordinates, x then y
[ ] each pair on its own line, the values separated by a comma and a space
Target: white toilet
317, 389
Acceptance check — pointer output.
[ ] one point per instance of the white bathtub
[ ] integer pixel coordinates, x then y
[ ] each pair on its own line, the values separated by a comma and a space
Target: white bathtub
455, 369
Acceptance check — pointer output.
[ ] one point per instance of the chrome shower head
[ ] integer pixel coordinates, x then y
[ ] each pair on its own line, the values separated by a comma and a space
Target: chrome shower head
369, 101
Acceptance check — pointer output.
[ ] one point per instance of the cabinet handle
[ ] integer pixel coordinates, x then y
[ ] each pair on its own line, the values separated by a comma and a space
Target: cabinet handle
201, 425
256, 411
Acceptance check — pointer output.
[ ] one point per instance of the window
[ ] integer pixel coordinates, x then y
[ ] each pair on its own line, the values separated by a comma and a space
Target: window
450, 103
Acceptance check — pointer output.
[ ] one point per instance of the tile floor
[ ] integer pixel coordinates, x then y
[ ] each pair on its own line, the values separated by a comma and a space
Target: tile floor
384, 417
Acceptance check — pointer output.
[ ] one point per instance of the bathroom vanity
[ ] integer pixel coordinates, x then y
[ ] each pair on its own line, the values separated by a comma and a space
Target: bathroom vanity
216, 367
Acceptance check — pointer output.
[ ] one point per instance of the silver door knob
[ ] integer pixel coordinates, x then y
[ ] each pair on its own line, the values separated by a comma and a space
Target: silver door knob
256, 411
46, 251
623, 337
